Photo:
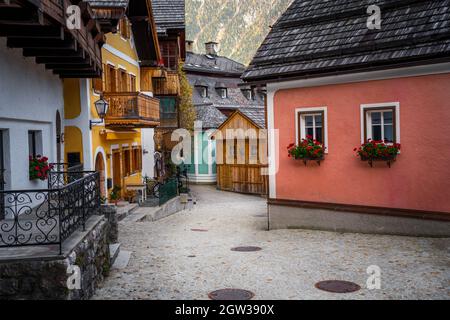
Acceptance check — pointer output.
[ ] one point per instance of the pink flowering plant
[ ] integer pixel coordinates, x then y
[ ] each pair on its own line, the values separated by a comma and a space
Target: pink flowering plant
308, 148
39, 167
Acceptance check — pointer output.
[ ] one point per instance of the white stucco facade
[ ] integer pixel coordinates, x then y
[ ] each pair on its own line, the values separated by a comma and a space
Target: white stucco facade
148, 150
30, 97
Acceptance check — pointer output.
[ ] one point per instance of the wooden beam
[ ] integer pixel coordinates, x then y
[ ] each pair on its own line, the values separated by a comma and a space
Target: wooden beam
69, 66
78, 74
38, 32
62, 60
69, 44
17, 14
53, 53
79, 69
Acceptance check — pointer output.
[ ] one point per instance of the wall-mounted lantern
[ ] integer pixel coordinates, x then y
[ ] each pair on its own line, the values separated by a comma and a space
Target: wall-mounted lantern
101, 106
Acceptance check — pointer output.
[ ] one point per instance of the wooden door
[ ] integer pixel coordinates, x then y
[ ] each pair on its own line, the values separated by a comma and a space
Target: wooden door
100, 168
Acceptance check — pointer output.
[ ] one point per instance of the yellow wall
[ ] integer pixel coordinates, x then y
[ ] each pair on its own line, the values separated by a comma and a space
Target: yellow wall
72, 103
73, 141
99, 136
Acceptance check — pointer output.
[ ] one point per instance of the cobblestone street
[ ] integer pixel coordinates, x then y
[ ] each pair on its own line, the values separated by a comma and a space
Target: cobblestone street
170, 261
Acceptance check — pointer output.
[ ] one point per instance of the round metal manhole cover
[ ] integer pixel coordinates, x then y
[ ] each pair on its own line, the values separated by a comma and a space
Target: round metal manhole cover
231, 294
246, 249
337, 286
199, 230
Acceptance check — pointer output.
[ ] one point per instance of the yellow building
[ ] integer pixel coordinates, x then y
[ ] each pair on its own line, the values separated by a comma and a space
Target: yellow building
121, 147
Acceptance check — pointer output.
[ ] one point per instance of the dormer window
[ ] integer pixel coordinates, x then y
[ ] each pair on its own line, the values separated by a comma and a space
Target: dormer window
203, 92
202, 88
223, 93
222, 90
248, 93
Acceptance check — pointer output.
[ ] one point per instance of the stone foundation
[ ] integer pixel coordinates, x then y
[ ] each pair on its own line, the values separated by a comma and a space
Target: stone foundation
286, 217
40, 273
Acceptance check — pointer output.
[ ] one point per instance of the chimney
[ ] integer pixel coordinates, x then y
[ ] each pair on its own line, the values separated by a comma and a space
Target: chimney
212, 48
189, 46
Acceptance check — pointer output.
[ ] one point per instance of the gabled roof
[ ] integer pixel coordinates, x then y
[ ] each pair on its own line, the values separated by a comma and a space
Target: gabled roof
210, 116
324, 37
108, 12
169, 14
202, 63
256, 116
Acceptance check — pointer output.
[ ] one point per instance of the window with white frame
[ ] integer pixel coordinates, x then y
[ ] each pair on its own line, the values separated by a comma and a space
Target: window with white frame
312, 125
380, 123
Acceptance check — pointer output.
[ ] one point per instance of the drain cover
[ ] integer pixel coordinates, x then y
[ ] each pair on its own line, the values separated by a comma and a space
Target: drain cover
337, 286
199, 230
231, 294
260, 215
246, 249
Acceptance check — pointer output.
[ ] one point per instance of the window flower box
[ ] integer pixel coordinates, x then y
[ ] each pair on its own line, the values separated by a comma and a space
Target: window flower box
39, 168
378, 151
307, 150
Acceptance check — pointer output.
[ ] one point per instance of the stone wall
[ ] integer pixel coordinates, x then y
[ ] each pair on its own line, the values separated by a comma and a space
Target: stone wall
110, 212
47, 278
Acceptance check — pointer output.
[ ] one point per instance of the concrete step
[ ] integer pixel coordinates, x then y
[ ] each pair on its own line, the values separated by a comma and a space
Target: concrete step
150, 202
122, 260
138, 215
114, 250
125, 210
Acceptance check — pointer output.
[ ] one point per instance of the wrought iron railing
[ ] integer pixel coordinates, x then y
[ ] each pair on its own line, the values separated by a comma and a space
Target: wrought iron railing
63, 173
48, 216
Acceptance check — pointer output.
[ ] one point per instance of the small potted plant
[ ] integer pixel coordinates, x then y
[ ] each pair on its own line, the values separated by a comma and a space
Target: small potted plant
114, 195
39, 167
374, 150
308, 149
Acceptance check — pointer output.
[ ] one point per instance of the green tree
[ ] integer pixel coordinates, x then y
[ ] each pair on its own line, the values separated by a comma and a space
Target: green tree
186, 111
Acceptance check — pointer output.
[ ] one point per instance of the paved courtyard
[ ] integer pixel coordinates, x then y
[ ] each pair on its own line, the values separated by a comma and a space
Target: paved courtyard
169, 261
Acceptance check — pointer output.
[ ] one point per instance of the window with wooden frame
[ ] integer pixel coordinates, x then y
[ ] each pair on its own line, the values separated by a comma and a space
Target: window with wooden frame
312, 122
110, 78
123, 80
169, 53
131, 83
137, 159
126, 159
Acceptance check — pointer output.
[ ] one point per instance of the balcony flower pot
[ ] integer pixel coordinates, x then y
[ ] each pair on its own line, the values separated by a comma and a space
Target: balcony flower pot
39, 167
307, 150
378, 151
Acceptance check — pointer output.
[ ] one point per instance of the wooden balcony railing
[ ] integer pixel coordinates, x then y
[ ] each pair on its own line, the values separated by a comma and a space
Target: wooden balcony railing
131, 109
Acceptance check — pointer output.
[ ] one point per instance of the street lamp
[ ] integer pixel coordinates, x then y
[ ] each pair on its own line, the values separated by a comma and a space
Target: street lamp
101, 106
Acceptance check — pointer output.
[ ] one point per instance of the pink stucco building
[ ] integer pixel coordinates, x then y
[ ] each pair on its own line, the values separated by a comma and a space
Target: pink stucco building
329, 75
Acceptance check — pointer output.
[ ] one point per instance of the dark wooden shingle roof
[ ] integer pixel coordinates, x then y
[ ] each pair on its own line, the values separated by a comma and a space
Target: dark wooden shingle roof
169, 14
320, 37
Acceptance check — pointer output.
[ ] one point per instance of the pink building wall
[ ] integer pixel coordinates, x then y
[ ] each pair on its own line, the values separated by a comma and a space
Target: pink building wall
419, 179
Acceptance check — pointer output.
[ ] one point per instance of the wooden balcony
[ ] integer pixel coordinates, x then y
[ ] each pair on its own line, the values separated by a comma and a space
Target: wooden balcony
131, 110
160, 82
